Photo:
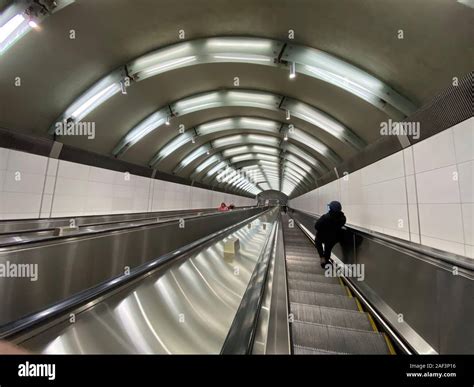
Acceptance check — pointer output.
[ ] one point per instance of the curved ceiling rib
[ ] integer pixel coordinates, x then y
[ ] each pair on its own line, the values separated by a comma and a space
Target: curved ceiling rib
275, 177
300, 59
239, 156
301, 179
260, 125
240, 98
254, 143
292, 153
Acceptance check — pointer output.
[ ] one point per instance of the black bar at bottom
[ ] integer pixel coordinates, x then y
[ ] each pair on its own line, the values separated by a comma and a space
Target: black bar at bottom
137, 370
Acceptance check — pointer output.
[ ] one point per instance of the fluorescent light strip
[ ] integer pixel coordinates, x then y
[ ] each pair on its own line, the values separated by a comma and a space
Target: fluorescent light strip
193, 156
172, 146
166, 66
7, 30
95, 101
211, 160
238, 58
309, 61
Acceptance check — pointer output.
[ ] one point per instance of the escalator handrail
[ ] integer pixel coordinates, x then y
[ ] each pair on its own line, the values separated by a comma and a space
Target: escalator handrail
86, 296
80, 219
12, 245
242, 332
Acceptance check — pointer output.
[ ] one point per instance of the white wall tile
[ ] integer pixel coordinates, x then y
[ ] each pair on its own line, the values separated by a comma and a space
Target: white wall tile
440, 244
73, 170
413, 215
389, 168
68, 205
378, 196
23, 182
411, 189
26, 163
3, 158
438, 186
435, 152
464, 140
469, 251
466, 181
49, 185
67, 186
441, 221
46, 203
408, 160
52, 167
101, 175
468, 222
19, 203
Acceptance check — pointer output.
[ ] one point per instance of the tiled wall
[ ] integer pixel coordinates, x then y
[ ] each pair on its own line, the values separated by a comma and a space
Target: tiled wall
424, 193
34, 186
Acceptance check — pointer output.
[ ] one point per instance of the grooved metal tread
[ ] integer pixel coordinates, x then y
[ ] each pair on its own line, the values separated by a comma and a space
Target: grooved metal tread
313, 268
326, 319
312, 277
298, 284
331, 316
323, 299
300, 350
337, 339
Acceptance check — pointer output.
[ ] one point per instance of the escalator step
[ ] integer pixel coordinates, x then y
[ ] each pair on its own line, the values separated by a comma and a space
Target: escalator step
306, 252
323, 299
331, 316
299, 350
313, 268
300, 255
303, 260
336, 339
295, 284
312, 277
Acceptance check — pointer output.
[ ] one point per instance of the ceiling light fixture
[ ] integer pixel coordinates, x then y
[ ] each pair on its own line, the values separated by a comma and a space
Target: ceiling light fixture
292, 70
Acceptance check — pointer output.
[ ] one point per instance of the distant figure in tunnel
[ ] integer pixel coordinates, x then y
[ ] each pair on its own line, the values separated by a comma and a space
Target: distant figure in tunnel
328, 231
223, 207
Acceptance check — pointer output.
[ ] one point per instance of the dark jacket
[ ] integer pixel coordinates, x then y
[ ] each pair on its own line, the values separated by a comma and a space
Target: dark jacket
328, 227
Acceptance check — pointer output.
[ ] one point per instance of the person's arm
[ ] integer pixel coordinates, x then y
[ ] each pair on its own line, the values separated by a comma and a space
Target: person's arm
320, 223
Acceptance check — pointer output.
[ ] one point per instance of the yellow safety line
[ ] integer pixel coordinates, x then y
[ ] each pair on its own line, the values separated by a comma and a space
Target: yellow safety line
372, 322
389, 345
348, 292
358, 304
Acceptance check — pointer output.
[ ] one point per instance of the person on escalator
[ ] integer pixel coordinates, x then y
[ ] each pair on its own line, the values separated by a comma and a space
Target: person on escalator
328, 231
223, 207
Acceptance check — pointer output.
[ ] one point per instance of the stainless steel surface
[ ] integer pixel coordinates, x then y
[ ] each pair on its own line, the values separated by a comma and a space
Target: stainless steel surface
186, 306
19, 238
66, 267
419, 296
241, 336
25, 225
273, 334
324, 316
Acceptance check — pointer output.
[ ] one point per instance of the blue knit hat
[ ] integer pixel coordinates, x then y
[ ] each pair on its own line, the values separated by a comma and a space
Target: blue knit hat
335, 206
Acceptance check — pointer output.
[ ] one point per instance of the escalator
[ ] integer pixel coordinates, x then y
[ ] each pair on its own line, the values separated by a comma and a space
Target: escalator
18, 232
326, 318
181, 302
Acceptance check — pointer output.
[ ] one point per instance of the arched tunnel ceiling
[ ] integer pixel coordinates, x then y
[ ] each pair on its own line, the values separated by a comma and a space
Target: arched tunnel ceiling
55, 70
